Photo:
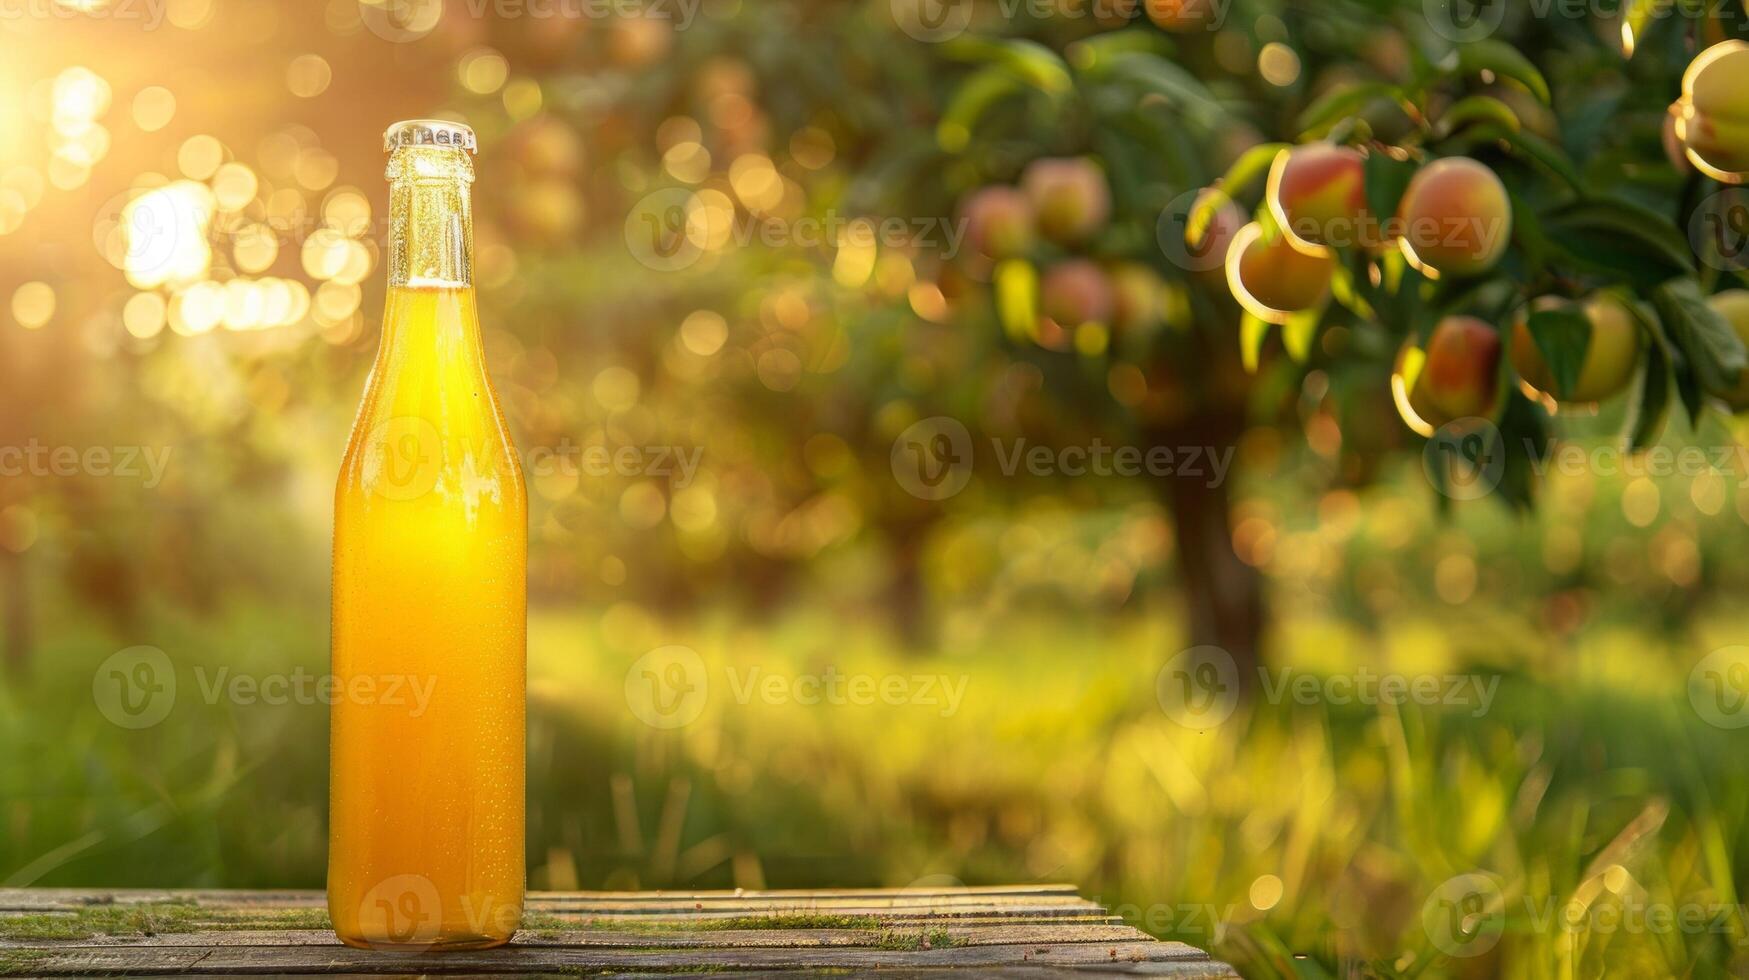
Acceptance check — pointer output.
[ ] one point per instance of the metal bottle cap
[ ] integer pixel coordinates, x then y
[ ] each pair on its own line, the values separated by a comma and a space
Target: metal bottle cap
429, 132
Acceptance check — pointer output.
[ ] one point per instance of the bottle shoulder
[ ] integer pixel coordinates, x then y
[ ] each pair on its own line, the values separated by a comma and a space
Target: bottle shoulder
422, 437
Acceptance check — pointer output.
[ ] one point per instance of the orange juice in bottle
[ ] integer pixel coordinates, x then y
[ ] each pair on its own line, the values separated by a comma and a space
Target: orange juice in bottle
426, 805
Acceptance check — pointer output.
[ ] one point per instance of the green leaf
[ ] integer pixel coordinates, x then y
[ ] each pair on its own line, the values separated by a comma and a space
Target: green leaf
1615, 237
1527, 231
1552, 158
1298, 331
1386, 179
1524, 435
1401, 298
1096, 52
1638, 16
1253, 331
983, 89
1346, 288
1649, 405
1036, 64
1341, 102
1521, 143
1681, 371
1503, 60
1713, 349
1251, 167
1688, 390
1564, 337
1180, 88
1474, 109
1352, 130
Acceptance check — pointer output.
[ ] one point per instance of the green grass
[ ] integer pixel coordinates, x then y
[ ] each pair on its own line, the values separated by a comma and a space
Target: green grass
785, 920
546, 922
152, 919
20, 962
1296, 840
148, 919
922, 939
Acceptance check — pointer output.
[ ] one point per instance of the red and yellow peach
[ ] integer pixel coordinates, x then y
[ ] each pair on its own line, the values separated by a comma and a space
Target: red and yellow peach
1455, 376
1455, 218
1463, 367
1317, 193
1069, 196
999, 222
1272, 279
1076, 292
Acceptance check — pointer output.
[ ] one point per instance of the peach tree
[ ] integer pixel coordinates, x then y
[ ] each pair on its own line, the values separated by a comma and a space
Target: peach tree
1368, 220
1466, 225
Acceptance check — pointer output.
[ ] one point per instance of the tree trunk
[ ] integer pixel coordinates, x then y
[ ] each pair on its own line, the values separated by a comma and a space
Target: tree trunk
907, 600
1224, 595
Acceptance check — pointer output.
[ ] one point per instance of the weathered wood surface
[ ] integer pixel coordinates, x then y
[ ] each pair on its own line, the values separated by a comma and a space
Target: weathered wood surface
1013, 930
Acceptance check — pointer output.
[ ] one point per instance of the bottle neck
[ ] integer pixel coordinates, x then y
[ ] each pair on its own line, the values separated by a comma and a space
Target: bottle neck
431, 221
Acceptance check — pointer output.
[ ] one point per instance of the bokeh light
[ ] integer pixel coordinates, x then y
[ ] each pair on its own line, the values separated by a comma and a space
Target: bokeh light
154, 107
308, 76
33, 305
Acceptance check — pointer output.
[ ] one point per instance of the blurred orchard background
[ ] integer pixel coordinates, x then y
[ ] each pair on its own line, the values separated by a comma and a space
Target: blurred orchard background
753, 243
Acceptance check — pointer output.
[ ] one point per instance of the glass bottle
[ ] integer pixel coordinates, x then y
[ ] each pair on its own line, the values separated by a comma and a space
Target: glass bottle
429, 654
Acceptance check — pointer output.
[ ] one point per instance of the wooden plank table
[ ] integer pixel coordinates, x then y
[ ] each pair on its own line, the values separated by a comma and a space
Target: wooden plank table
1026, 930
